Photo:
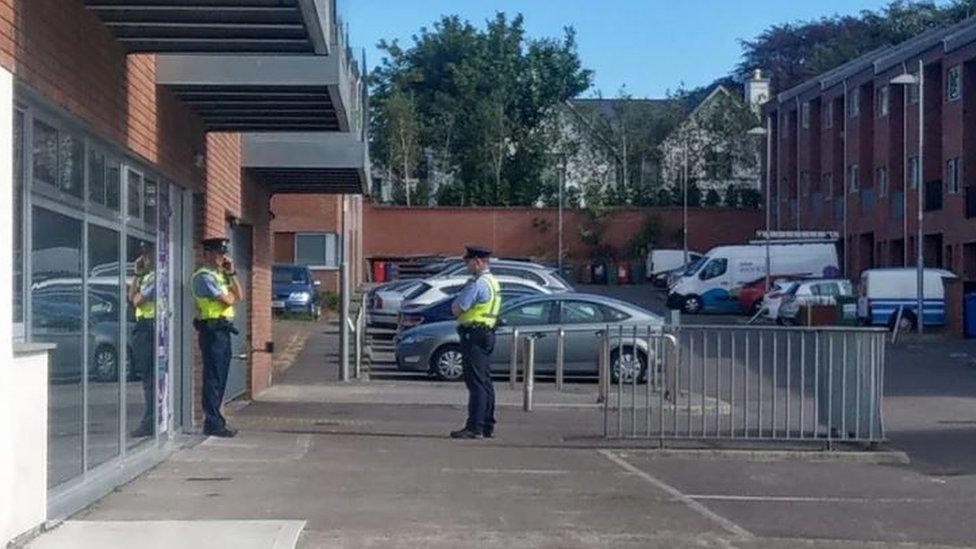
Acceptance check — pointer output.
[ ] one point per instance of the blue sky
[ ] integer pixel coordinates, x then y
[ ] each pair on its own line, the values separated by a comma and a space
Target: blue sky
650, 46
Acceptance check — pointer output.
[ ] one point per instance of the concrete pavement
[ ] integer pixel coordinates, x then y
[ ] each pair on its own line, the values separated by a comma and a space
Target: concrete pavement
370, 466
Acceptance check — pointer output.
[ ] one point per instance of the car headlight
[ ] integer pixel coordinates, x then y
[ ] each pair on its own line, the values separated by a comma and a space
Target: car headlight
414, 339
300, 296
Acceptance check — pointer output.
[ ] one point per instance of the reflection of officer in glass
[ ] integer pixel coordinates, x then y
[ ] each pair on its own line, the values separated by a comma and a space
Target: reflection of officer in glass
215, 289
142, 296
476, 308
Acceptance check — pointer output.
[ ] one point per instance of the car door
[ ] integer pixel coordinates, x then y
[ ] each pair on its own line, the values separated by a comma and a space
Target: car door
716, 295
583, 321
525, 317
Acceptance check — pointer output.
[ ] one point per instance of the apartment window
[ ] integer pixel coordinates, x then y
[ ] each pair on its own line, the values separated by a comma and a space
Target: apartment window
952, 175
913, 92
854, 103
954, 83
828, 114
914, 169
805, 114
852, 178
881, 177
882, 101
827, 185
317, 250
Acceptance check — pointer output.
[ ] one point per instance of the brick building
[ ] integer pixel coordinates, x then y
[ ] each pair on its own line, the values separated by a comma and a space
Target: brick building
129, 131
845, 154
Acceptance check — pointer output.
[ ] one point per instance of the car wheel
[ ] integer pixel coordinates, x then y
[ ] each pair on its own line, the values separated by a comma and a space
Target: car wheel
628, 368
105, 363
692, 305
907, 322
447, 364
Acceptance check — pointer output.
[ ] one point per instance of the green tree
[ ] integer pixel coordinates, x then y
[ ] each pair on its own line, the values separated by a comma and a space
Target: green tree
712, 198
482, 96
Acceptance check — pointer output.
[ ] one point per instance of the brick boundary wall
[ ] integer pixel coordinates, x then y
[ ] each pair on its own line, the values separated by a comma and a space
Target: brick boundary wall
399, 231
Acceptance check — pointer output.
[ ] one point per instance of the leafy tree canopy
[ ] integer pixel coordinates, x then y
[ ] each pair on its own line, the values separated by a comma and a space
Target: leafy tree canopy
474, 100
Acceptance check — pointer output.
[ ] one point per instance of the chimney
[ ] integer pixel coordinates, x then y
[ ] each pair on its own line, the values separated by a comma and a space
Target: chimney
757, 91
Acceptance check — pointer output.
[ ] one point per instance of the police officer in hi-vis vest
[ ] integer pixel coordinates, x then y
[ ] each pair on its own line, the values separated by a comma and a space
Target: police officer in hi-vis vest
476, 308
216, 289
142, 297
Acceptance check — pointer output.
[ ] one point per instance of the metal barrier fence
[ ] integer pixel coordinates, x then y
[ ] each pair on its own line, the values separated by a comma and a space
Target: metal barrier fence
744, 383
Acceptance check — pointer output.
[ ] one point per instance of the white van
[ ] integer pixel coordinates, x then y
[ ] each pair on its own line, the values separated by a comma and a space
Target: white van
884, 291
661, 261
714, 286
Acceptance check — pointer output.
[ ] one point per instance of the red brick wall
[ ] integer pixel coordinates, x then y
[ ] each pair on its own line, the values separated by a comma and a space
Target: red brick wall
62, 51
396, 231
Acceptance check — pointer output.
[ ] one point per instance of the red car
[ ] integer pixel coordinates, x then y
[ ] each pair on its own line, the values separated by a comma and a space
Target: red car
751, 294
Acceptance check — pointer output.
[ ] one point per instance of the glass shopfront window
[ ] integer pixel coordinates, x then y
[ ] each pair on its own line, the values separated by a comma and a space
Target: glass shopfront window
57, 317
105, 308
97, 227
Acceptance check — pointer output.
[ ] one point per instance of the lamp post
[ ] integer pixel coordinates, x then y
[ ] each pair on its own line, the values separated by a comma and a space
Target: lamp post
912, 80
761, 132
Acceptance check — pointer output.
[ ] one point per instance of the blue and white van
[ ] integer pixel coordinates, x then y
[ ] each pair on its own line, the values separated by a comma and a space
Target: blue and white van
713, 285
884, 291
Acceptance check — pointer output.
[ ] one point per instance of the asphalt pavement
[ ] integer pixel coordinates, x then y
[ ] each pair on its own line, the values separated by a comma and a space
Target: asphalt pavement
368, 464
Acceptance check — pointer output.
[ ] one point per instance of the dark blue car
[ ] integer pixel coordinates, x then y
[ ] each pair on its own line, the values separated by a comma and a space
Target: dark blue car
439, 311
294, 290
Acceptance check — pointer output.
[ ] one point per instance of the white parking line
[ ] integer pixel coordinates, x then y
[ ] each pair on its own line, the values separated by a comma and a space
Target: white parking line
507, 471
725, 523
804, 499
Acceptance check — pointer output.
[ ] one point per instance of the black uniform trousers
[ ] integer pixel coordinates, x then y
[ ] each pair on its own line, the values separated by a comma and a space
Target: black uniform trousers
477, 343
215, 346
143, 337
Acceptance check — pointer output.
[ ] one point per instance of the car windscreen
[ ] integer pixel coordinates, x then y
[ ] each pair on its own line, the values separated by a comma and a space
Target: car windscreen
289, 275
693, 267
417, 292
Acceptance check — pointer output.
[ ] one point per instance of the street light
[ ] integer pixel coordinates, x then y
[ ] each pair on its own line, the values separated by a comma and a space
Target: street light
912, 80
761, 132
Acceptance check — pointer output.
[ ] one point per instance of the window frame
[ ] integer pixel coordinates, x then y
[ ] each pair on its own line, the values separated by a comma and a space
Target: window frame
854, 103
561, 319
336, 249
954, 74
805, 115
827, 185
852, 176
881, 180
953, 166
546, 304
828, 114
883, 104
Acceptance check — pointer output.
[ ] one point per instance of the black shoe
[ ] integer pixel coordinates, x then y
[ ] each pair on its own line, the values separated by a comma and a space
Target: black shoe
488, 434
143, 430
222, 432
464, 433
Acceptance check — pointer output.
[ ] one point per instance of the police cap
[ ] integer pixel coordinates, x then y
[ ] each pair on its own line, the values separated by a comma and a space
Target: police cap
215, 245
474, 252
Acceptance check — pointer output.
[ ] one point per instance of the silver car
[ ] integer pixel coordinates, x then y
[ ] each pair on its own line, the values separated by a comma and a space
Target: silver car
435, 347
385, 301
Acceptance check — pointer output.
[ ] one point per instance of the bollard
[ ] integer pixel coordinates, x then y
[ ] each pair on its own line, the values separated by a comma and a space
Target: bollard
560, 358
513, 361
602, 366
528, 374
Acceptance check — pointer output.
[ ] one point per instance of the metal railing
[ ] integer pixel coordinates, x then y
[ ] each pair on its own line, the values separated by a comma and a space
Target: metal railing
746, 383
523, 350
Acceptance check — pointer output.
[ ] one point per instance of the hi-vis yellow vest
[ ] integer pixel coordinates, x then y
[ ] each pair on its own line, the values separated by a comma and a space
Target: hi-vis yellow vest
485, 313
211, 308
147, 309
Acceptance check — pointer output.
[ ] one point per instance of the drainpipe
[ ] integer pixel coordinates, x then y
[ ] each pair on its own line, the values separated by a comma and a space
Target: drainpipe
344, 295
799, 124
846, 175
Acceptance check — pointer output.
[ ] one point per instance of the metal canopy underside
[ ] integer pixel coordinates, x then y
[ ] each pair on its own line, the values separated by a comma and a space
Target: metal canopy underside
261, 108
307, 162
311, 181
216, 26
